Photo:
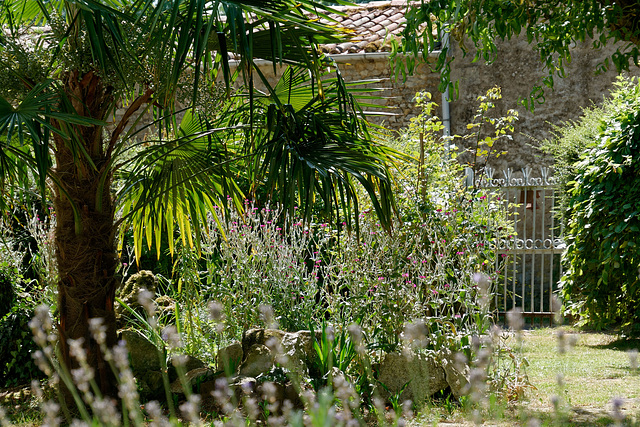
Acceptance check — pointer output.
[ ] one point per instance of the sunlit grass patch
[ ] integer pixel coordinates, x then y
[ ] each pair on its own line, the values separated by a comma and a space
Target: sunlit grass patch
588, 370
594, 369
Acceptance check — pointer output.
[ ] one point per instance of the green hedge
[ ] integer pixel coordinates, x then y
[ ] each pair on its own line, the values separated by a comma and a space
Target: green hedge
601, 283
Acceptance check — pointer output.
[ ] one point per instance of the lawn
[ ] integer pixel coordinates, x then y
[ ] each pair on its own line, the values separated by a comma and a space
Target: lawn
594, 371
594, 368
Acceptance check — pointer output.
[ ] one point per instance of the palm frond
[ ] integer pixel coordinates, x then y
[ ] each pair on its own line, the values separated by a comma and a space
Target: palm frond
179, 182
314, 151
32, 120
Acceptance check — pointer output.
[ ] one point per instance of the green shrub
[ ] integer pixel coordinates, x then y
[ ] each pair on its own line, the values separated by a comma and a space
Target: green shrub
16, 341
7, 294
426, 284
307, 272
570, 141
25, 252
16, 347
601, 282
425, 287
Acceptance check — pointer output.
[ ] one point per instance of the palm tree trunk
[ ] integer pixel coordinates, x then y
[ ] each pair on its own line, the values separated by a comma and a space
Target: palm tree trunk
85, 240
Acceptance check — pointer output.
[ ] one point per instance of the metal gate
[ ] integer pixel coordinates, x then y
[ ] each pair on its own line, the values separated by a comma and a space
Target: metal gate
529, 259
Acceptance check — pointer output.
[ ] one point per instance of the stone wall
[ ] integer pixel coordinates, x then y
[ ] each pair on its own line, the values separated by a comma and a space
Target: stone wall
396, 103
516, 70
397, 95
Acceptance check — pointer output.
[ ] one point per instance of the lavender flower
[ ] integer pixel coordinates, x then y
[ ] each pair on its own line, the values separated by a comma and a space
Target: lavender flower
50, 410
145, 298
171, 336
36, 389
561, 341
484, 285
155, 413
77, 351
534, 422
266, 313
216, 312
98, 331
191, 410
4, 420
515, 319
355, 332
633, 359
616, 410
42, 327
82, 376
42, 362
105, 410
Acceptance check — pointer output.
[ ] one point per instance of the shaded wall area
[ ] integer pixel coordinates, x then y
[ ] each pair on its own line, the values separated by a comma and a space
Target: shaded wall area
517, 70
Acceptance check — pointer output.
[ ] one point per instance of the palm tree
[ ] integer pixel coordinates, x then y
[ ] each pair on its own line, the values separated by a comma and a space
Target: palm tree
65, 67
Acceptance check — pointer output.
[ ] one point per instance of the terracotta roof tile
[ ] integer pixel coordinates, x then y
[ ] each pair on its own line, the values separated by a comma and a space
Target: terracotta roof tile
370, 25
360, 22
392, 27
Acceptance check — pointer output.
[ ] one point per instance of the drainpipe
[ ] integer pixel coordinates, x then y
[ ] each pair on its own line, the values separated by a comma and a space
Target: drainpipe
446, 112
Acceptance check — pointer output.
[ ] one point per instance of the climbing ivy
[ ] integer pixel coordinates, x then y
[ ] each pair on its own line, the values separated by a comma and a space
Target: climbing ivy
602, 282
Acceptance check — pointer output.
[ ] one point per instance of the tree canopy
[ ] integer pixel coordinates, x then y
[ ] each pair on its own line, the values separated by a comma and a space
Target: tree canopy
552, 27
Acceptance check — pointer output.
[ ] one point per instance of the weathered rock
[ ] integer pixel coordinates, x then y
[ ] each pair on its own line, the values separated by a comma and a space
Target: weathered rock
143, 354
150, 385
154, 382
229, 358
221, 394
144, 391
129, 294
189, 363
269, 392
166, 308
457, 376
258, 360
278, 393
206, 388
422, 373
143, 279
193, 379
259, 336
192, 363
299, 346
293, 350
272, 388
291, 394
242, 387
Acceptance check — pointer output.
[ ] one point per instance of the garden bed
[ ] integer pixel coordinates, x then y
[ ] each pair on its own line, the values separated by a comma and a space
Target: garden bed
595, 367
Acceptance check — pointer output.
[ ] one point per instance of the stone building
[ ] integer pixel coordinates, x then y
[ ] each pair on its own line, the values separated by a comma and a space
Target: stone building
516, 70
532, 266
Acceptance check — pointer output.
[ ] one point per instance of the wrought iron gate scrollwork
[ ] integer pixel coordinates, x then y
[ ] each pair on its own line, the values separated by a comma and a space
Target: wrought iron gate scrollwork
529, 259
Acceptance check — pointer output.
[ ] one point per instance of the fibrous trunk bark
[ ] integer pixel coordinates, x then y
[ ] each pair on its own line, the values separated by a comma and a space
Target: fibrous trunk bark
85, 242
